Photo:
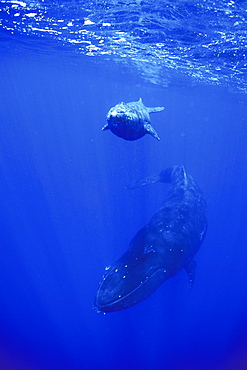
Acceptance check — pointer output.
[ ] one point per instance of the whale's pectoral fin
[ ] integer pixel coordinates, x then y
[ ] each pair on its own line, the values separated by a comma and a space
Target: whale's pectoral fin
106, 127
150, 130
190, 268
155, 109
142, 182
164, 176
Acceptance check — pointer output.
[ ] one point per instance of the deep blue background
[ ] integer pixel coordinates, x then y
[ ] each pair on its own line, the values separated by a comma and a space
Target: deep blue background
66, 214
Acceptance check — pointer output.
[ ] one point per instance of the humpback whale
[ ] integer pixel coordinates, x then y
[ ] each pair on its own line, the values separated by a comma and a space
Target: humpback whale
159, 250
131, 120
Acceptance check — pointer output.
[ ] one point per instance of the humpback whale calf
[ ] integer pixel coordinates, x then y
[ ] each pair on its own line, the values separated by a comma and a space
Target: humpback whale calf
131, 121
160, 249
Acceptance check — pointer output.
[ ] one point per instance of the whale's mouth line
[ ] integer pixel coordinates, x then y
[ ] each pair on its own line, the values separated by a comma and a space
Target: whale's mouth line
120, 121
99, 307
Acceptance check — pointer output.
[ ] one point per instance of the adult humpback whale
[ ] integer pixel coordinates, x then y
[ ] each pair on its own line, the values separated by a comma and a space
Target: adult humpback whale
131, 121
160, 249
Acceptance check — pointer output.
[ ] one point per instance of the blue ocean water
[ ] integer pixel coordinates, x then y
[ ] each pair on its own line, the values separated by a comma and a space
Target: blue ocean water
66, 212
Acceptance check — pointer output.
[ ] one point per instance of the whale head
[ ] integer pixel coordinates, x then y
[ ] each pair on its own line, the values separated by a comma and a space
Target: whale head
120, 115
134, 276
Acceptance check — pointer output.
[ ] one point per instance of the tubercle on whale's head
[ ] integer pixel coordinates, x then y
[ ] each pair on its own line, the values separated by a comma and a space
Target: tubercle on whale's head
116, 118
118, 292
117, 109
133, 277
120, 118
